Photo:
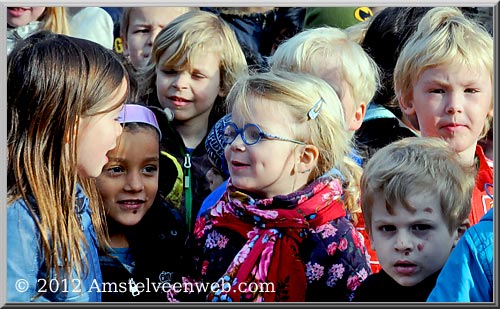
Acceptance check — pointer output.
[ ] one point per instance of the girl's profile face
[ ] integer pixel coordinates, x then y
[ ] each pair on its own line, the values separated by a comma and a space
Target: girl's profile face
189, 91
97, 135
129, 181
20, 16
264, 169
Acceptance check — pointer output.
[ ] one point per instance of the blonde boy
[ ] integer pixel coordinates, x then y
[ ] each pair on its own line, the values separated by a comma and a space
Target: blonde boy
415, 197
444, 77
330, 54
195, 60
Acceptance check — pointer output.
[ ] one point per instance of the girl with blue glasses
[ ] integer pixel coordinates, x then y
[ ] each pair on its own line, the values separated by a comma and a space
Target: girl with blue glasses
283, 220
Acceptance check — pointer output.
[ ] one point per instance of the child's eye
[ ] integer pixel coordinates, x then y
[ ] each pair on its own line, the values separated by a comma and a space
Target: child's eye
168, 72
471, 90
115, 170
387, 228
436, 91
421, 227
141, 30
150, 169
198, 75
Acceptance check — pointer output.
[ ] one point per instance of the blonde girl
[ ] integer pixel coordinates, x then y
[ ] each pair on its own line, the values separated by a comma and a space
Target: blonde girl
283, 219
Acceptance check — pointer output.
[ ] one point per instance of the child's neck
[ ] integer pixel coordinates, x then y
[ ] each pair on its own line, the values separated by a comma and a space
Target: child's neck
192, 132
117, 235
118, 241
467, 156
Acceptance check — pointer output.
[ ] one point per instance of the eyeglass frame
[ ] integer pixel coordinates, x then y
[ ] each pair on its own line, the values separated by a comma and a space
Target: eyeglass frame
262, 134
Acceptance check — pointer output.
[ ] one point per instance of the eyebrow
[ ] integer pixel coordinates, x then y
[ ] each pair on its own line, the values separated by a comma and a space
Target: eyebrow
121, 160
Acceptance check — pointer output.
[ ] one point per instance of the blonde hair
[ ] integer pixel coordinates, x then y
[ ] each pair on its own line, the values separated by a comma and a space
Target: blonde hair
296, 94
195, 33
55, 19
418, 165
444, 35
308, 50
357, 31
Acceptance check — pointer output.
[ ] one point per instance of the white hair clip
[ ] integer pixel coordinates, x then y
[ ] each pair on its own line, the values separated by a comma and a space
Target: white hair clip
314, 111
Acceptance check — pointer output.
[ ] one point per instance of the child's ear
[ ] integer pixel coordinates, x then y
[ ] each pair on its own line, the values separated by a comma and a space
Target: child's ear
125, 47
222, 92
461, 230
359, 115
372, 243
406, 104
308, 158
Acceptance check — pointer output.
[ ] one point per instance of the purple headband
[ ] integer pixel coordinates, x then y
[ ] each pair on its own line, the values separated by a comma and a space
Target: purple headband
138, 113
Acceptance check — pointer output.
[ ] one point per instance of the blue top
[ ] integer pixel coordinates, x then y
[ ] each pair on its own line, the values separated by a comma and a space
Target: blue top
26, 267
467, 275
213, 197
377, 111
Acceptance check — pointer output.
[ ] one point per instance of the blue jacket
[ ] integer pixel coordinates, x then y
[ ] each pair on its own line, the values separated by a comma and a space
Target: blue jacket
26, 267
467, 275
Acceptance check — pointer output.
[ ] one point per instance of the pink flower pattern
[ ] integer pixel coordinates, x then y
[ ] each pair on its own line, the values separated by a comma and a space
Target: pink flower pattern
314, 272
338, 255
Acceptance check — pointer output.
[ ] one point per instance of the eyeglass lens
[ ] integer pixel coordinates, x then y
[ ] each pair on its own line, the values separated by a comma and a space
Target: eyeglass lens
251, 134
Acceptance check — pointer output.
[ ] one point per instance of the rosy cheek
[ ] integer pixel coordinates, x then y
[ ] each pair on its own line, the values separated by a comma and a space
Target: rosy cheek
420, 247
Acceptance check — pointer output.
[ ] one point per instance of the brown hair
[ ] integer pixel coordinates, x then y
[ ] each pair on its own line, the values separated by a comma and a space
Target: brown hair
53, 79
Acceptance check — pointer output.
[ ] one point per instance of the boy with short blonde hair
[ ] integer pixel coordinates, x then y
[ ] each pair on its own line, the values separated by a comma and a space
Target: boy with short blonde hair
444, 77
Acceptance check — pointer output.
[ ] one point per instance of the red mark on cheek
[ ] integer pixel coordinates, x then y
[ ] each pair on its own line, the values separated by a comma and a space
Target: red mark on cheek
420, 247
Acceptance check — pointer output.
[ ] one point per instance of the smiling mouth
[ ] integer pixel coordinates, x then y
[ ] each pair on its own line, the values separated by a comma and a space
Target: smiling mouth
238, 164
131, 204
179, 102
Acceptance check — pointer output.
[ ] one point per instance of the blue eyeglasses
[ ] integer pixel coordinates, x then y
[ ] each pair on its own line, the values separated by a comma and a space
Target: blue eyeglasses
251, 134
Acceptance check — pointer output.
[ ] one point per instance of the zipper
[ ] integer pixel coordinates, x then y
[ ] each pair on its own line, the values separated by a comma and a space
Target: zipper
188, 194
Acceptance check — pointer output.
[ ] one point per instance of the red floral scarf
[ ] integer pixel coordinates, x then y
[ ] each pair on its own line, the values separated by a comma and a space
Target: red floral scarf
268, 267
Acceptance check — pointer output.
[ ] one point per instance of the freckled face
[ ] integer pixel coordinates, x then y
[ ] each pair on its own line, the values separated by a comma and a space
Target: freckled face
411, 246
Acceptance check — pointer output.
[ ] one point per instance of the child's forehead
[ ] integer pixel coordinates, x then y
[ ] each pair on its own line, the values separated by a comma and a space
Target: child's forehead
416, 204
253, 106
466, 69
180, 54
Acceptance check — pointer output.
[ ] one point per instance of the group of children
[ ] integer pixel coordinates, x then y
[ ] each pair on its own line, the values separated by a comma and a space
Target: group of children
118, 193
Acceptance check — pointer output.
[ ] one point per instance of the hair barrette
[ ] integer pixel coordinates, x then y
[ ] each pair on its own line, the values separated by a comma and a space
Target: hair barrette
316, 109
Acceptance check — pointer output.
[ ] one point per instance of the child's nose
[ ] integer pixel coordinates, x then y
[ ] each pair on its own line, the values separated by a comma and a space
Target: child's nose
237, 143
454, 104
153, 35
404, 242
181, 80
134, 182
